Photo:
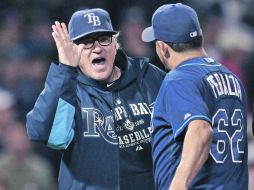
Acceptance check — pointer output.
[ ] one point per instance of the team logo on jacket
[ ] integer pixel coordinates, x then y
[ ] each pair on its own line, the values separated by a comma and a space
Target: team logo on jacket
97, 125
129, 125
125, 126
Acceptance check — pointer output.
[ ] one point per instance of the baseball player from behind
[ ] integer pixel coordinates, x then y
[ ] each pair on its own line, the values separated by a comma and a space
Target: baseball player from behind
199, 137
96, 108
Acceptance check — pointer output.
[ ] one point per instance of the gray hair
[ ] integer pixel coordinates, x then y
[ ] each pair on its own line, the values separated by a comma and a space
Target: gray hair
115, 37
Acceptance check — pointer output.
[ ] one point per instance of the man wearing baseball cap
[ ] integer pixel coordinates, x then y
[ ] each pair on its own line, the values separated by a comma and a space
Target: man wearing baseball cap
96, 108
199, 138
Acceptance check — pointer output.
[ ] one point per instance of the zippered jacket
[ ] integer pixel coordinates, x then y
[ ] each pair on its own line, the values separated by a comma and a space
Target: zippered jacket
102, 130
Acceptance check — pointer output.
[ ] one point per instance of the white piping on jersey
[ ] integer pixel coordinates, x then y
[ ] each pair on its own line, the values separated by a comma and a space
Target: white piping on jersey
191, 118
189, 64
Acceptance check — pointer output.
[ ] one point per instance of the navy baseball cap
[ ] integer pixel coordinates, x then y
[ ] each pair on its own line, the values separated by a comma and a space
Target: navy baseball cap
175, 23
89, 21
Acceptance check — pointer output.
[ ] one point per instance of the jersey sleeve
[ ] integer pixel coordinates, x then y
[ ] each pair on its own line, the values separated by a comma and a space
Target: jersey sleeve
52, 118
184, 103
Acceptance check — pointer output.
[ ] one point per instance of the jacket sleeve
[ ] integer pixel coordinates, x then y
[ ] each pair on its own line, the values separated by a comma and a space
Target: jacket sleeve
52, 118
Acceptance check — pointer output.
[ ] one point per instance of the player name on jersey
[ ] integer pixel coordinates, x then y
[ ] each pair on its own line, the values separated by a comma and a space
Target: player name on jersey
224, 85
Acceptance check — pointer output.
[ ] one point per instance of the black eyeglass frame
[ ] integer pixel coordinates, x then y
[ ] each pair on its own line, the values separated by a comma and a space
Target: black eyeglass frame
103, 40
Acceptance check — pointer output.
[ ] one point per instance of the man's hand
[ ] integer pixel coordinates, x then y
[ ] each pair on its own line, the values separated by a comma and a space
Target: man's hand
68, 52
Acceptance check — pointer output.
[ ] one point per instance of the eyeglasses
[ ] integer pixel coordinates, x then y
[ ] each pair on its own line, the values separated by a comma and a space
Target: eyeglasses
103, 40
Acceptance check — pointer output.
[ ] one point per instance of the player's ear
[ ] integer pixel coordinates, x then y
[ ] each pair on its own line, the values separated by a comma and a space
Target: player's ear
164, 48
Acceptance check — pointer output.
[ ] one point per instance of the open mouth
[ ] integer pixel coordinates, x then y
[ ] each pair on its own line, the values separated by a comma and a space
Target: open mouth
99, 61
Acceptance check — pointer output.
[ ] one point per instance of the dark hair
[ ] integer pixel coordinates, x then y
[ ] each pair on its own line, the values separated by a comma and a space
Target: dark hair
185, 46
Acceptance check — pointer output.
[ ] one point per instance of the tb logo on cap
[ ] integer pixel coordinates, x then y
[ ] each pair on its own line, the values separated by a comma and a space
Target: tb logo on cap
93, 19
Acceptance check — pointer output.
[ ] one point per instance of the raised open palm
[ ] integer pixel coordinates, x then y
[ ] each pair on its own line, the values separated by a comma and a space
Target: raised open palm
68, 52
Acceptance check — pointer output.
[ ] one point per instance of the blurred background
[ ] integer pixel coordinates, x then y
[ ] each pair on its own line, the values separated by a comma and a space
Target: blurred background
27, 48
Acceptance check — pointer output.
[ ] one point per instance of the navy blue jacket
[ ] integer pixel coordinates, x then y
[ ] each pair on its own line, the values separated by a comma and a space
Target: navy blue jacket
102, 130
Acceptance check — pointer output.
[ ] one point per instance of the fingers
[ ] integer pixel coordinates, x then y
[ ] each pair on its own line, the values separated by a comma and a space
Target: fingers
69, 53
56, 36
64, 29
56, 29
60, 32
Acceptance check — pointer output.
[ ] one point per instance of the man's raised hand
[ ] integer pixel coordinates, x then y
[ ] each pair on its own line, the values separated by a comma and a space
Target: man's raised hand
68, 52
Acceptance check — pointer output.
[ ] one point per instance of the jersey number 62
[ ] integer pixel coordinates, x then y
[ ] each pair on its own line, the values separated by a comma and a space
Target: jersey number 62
228, 137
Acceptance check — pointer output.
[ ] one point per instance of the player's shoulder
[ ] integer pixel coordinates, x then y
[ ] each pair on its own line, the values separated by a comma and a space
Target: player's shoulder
183, 74
195, 69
